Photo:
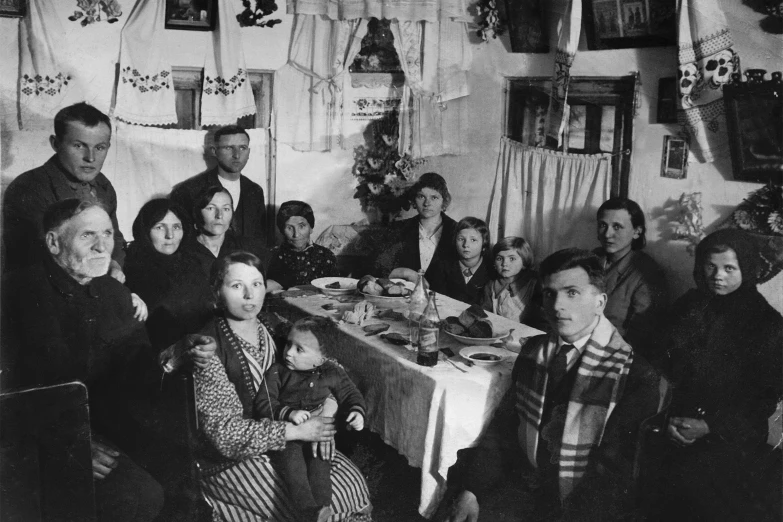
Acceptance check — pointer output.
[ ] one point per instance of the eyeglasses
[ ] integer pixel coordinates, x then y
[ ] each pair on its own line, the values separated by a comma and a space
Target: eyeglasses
231, 149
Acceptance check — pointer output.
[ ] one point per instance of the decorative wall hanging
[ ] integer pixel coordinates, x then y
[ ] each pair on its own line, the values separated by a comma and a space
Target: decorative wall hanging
226, 94
754, 115
145, 90
690, 225
377, 53
89, 11
567, 42
617, 24
253, 15
191, 15
674, 160
373, 108
13, 8
490, 23
527, 26
706, 62
667, 100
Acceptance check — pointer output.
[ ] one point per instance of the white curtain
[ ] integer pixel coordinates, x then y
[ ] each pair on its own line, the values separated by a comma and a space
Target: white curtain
309, 110
430, 10
435, 58
146, 162
548, 198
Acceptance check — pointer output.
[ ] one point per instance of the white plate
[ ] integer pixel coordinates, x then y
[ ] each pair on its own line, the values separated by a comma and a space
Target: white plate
390, 300
347, 285
496, 336
470, 353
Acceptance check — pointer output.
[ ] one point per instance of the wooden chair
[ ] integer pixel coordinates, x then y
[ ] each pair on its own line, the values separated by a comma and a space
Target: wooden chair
46, 461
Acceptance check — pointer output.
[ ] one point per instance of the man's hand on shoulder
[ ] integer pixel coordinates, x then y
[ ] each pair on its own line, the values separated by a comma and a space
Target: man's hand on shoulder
140, 308
115, 271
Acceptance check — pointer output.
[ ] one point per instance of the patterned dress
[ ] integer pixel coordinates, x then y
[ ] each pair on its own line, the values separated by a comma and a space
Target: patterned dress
246, 487
290, 268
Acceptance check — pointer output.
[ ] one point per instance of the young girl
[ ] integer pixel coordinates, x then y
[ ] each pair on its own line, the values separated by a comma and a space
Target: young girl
295, 390
464, 278
511, 290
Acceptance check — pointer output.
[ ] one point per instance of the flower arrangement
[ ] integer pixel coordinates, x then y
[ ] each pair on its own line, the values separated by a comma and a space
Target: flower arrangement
383, 175
761, 212
252, 16
690, 225
90, 11
490, 24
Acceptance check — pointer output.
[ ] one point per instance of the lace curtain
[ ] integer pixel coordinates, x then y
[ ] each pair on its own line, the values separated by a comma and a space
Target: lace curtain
415, 10
549, 198
433, 109
310, 109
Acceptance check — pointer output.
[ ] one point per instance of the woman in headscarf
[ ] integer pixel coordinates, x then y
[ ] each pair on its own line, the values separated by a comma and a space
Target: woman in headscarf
168, 280
726, 348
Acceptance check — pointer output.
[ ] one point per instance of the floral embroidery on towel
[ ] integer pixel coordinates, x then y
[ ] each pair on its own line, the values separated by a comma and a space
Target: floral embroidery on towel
146, 83
39, 85
218, 85
90, 11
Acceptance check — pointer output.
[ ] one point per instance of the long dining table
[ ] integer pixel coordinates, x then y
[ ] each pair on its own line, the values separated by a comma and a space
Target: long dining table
427, 414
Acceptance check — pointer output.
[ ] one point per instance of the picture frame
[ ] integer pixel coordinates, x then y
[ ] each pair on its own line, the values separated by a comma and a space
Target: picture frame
667, 100
674, 160
13, 8
191, 15
754, 121
620, 24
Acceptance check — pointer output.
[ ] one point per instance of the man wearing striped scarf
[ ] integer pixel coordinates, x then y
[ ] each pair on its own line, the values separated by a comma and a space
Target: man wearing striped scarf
579, 394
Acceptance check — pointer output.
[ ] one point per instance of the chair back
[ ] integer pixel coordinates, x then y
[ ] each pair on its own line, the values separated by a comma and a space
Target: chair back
45, 455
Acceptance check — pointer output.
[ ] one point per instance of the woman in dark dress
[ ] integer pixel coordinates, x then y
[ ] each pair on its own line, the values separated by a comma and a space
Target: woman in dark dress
426, 240
726, 353
169, 281
212, 211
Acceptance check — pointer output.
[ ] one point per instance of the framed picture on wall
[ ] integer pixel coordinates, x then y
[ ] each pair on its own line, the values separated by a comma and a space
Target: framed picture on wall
191, 15
674, 161
667, 100
13, 8
618, 24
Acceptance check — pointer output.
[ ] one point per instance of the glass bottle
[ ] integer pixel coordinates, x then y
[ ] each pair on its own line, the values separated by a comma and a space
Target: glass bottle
429, 330
416, 308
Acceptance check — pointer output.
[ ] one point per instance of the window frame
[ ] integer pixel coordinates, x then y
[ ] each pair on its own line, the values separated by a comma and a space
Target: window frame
618, 92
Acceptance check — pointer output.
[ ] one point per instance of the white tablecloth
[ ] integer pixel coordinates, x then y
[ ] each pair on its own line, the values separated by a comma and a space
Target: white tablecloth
427, 414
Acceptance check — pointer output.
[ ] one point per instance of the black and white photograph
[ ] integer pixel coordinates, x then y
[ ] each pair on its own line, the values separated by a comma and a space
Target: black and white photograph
391, 261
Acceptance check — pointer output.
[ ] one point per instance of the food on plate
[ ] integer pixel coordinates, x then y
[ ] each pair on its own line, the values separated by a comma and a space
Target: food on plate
473, 322
484, 356
335, 285
380, 286
395, 338
361, 312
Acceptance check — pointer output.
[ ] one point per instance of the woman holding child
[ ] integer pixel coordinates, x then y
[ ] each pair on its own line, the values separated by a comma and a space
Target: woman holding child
237, 478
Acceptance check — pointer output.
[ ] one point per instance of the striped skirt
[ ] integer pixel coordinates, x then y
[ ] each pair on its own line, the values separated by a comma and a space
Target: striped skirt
252, 491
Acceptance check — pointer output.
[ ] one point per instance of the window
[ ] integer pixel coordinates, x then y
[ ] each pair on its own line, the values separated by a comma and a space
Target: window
187, 88
600, 119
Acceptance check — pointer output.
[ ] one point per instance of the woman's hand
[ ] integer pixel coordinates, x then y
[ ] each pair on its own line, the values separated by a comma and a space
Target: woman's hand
104, 459
684, 431
325, 449
316, 429
115, 271
140, 307
355, 421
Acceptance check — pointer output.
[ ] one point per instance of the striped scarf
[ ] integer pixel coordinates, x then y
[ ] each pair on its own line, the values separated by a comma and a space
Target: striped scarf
599, 384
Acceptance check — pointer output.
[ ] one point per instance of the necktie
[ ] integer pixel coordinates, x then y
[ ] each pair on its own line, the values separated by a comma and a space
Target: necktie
467, 273
557, 369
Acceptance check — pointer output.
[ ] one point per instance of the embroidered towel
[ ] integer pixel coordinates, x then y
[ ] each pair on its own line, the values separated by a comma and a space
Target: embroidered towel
47, 80
706, 61
568, 30
226, 94
145, 90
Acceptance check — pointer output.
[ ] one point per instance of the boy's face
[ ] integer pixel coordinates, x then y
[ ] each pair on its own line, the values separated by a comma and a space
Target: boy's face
297, 232
469, 244
302, 352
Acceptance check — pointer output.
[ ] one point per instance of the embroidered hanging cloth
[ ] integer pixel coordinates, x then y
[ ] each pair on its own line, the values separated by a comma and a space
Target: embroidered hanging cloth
568, 30
411, 10
226, 94
47, 81
145, 90
706, 61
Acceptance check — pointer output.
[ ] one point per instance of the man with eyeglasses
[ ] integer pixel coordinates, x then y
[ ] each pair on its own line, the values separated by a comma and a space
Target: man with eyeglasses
232, 150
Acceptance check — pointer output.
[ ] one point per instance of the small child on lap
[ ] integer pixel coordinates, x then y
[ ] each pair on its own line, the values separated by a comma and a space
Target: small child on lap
511, 291
298, 261
294, 391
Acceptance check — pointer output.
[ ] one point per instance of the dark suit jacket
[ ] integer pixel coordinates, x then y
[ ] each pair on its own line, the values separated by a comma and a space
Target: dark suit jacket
406, 249
27, 198
250, 215
448, 280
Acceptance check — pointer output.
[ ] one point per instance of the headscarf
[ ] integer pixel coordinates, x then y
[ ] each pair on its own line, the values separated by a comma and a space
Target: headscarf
151, 213
743, 246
